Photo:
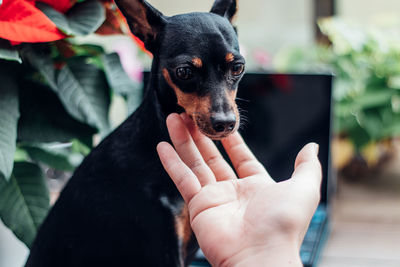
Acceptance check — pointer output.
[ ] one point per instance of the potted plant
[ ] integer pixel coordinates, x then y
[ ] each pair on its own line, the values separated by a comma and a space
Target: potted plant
55, 94
366, 92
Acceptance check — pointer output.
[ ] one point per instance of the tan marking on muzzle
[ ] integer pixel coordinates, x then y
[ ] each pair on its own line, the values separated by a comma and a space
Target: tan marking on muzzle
229, 57
197, 62
231, 95
191, 102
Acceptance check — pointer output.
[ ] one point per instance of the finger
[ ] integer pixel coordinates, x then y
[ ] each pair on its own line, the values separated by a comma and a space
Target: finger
187, 150
209, 152
307, 166
244, 162
181, 175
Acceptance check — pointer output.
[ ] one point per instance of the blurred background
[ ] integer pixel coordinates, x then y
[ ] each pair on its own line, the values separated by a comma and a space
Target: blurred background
358, 41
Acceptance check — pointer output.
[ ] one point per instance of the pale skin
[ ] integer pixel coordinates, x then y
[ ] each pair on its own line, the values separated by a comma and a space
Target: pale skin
243, 218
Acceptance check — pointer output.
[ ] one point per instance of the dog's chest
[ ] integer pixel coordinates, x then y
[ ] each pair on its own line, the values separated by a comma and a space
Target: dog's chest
182, 226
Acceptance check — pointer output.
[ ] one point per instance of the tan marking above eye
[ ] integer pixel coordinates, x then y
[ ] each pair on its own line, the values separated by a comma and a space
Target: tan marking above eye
229, 57
197, 62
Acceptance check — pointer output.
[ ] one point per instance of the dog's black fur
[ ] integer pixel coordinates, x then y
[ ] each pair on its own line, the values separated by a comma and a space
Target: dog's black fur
120, 208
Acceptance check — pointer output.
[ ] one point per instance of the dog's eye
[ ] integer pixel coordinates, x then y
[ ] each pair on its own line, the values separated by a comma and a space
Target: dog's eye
184, 73
237, 69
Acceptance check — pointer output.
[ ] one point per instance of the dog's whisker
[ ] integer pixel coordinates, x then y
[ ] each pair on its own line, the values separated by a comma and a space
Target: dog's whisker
241, 111
244, 120
242, 99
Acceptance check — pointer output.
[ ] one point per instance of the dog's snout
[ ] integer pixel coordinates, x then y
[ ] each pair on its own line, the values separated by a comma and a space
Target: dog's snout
223, 122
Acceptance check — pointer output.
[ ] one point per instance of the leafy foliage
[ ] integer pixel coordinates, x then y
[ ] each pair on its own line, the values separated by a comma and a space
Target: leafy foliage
54, 97
367, 84
21, 21
7, 52
45, 120
81, 19
120, 81
9, 115
24, 200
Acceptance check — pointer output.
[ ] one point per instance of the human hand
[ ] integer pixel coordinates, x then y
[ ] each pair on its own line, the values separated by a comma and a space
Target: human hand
251, 221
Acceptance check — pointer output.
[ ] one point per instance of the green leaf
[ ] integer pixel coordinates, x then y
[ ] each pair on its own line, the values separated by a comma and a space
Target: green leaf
24, 201
394, 81
393, 129
395, 102
87, 50
9, 115
80, 148
120, 82
55, 155
372, 123
359, 137
44, 119
20, 155
82, 19
8, 52
345, 124
85, 94
391, 122
81, 87
133, 101
370, 99
42, 62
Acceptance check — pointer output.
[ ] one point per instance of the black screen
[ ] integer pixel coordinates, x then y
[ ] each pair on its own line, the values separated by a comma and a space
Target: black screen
281, 113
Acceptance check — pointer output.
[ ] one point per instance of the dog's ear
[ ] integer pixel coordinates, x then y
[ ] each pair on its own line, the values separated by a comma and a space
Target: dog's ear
225, 8
144, 20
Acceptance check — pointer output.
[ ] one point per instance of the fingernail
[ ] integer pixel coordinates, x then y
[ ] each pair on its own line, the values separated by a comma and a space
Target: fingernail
170, 116
183, 115
316, 148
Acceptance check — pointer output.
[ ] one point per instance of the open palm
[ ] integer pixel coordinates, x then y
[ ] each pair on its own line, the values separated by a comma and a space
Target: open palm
233, 218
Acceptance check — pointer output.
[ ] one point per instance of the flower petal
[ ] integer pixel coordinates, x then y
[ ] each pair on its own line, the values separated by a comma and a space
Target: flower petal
21, 21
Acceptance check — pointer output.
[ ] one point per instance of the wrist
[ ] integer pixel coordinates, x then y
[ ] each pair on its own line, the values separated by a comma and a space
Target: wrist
282, 254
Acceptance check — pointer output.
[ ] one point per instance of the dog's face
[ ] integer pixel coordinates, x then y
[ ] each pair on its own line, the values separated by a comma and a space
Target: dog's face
203, 67
199, 60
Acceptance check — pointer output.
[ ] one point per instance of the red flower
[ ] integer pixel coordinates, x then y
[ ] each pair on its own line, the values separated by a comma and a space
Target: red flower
21, 21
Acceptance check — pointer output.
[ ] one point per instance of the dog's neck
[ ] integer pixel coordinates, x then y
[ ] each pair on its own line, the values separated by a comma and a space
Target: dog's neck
159, 101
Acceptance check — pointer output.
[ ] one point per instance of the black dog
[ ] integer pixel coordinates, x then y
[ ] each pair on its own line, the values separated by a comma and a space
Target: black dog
120, 208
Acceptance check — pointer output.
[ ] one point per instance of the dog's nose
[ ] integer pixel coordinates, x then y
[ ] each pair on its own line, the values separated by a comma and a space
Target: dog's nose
223, 122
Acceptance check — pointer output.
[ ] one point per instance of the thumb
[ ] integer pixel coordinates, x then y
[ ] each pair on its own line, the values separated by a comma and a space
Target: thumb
307, 166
